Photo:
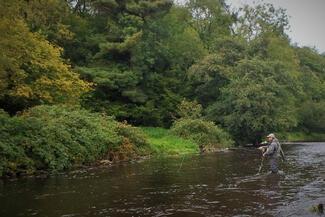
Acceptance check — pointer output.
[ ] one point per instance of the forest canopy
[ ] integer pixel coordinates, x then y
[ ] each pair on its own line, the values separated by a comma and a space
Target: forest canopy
137, 60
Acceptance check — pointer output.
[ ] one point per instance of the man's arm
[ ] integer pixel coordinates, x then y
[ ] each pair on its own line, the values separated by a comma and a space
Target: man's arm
270, 149
262, 149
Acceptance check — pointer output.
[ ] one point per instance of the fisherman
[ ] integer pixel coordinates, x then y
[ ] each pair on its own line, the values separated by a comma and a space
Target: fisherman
273, 150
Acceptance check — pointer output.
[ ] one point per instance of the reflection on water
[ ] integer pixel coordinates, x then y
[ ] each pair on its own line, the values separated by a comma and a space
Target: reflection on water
219, 184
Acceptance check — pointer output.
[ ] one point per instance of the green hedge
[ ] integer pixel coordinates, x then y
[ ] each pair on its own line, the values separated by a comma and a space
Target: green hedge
54, 138
204, 133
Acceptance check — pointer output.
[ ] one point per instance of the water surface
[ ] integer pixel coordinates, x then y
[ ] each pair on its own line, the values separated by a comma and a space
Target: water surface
218, 184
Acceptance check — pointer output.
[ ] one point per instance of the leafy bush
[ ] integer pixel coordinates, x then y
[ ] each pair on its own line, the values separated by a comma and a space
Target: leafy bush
189, 109
55, 138
133, 134
12, 154
204, 133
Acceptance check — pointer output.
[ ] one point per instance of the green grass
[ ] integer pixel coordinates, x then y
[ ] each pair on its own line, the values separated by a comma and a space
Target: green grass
161, 141
304, 137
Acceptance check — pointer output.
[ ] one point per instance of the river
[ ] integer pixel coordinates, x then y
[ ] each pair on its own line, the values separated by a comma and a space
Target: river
217, 184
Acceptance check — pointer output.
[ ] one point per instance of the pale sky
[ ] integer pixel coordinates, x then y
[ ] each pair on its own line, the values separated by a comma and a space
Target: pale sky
307, 20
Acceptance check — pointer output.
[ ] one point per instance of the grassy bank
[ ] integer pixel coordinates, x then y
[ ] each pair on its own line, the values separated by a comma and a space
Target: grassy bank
161, 141
55, 138
304, 137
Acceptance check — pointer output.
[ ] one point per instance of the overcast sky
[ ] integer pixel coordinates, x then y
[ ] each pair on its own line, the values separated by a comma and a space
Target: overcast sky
307, 20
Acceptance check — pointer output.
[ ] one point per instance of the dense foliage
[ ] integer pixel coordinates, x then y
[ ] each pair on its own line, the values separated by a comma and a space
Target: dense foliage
192, 126
32, 71
204, 133
55, 137
138, 61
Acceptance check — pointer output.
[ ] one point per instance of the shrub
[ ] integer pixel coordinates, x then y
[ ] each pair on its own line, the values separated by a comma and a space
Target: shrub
190, 110
133, 134
56, 137
134, 142
11, 154
204, 133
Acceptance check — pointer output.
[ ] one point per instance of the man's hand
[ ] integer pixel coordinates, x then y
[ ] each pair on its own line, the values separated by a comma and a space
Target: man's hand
264, 143
262, 149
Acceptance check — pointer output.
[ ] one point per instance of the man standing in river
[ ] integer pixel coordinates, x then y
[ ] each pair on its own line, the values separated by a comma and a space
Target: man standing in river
273, 150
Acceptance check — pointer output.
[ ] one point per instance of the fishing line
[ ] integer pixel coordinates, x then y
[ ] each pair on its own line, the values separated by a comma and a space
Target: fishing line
181, 164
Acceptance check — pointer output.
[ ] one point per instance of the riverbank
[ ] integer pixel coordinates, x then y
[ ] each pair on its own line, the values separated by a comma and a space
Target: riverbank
161, 141
158, 141
303, 137
51, 139
47, 140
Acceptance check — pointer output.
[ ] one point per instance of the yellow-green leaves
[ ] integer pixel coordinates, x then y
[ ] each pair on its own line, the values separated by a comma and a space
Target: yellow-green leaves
31, 68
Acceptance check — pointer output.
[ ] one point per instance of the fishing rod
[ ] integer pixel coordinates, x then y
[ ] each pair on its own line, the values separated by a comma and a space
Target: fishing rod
261, 166
181, 164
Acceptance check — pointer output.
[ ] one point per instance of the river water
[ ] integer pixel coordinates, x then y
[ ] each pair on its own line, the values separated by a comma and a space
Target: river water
218, 184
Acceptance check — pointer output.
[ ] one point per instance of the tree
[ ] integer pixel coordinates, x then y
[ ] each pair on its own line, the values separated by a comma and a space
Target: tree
32, 71
190, 110
312, 116
311, 108
212, 73
256, 101
211, 19
140, 69
253, 21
